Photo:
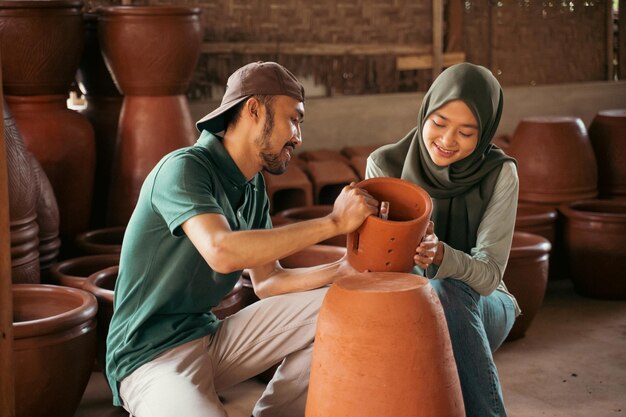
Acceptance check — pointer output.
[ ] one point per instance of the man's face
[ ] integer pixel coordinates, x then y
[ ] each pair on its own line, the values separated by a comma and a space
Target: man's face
281, 133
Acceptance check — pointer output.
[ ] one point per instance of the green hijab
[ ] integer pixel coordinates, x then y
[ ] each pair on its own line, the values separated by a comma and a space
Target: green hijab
462, 190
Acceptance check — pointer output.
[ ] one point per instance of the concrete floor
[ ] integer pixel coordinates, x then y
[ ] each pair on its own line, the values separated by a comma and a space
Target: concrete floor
571, 363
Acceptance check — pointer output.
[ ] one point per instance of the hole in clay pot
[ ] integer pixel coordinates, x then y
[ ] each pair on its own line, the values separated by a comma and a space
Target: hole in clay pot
355, 243
392, 238
387, 263
389, 250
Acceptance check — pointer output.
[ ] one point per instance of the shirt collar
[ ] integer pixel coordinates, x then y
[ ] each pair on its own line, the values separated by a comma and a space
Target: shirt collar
221, 158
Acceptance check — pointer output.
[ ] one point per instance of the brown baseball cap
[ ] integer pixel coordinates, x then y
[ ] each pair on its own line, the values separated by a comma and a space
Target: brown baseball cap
264, 78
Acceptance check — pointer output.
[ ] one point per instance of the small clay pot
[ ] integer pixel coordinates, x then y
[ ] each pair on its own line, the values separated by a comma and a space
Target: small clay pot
607, 133
297, 214
389, 245
595, 238
102, 241
555, 160
382, 349
526, 277
74, 272
54, 348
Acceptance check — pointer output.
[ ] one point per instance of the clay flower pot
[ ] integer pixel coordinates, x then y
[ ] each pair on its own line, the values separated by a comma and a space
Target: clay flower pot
101, 241
382, 349
389, 245
54, 348
555, 160
74, 272
608, 138
526, 277
40, 42
595, 237
297, 214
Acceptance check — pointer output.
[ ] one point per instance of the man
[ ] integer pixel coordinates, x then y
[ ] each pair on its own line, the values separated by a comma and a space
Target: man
201, 218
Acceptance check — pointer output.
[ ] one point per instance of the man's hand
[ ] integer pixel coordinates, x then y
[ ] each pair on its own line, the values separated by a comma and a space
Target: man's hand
352, 207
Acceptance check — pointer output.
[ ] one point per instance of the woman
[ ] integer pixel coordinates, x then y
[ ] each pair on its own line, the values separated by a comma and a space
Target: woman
474, 188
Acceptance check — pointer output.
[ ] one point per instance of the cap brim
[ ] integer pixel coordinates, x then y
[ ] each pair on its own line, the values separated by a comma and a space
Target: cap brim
214, 121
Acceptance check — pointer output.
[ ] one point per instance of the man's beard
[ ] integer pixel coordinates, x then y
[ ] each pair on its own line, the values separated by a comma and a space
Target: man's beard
271, 161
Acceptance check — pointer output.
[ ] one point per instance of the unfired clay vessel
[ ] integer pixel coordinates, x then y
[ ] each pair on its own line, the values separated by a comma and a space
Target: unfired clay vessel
382, 349
389, 245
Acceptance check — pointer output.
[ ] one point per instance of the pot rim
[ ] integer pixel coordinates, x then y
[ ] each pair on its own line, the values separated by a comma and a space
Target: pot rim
40, 4
539, 213
56, 323
112, 11
574, 211
58, 267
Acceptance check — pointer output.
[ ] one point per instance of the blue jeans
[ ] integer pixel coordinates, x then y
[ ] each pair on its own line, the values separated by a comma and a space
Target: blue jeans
478, 325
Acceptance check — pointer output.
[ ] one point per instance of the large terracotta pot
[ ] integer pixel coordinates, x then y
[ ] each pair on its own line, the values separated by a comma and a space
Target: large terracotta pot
40, 43
555, 161
104, 103
382, 349
62, 140
608, 138
23, 199
297, 214
74, 272
526, 277
54, 348
389, 245
595, 236
151, 52
101, 241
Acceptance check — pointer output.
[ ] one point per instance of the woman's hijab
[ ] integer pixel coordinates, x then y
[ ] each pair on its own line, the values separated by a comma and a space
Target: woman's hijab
462, 190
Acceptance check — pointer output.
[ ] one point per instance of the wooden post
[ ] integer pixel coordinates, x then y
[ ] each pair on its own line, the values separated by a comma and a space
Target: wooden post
610, 69
7, 393
455, 26
621, 42
437, 37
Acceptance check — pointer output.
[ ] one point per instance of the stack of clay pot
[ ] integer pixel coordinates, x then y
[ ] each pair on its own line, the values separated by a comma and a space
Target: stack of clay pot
153, 76
556, 165
41, 42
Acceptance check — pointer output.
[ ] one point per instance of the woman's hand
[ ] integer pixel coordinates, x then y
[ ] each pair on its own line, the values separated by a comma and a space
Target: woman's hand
428, 252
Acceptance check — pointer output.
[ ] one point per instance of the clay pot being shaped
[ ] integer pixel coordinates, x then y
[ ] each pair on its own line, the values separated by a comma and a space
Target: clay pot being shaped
74, 272
101, 241
389, 245
555, 160
297, 214
595, 238
153, 75
54, 348
382, 349
40, 42
608, 138
526, 277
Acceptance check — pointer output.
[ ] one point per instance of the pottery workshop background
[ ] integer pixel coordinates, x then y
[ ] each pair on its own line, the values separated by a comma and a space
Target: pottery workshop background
372, 46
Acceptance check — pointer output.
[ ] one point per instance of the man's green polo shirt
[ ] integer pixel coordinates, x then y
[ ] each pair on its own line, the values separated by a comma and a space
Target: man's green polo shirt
165, 289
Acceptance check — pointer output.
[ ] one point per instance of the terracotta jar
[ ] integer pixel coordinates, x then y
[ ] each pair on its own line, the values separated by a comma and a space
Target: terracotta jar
298, 214
290, 189
608, 138
526, 277
360, 150
63, 142
101, 241
74, 272
54, 348
155, 117
595, 238
382, 349
328, 178
40, 42
389, 245
23, 202
555, 160
104, 103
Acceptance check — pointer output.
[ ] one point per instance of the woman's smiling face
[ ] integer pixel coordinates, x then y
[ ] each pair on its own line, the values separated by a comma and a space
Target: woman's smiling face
450, 133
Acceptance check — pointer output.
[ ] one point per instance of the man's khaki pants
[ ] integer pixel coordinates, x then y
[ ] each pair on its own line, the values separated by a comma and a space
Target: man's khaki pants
184, 381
